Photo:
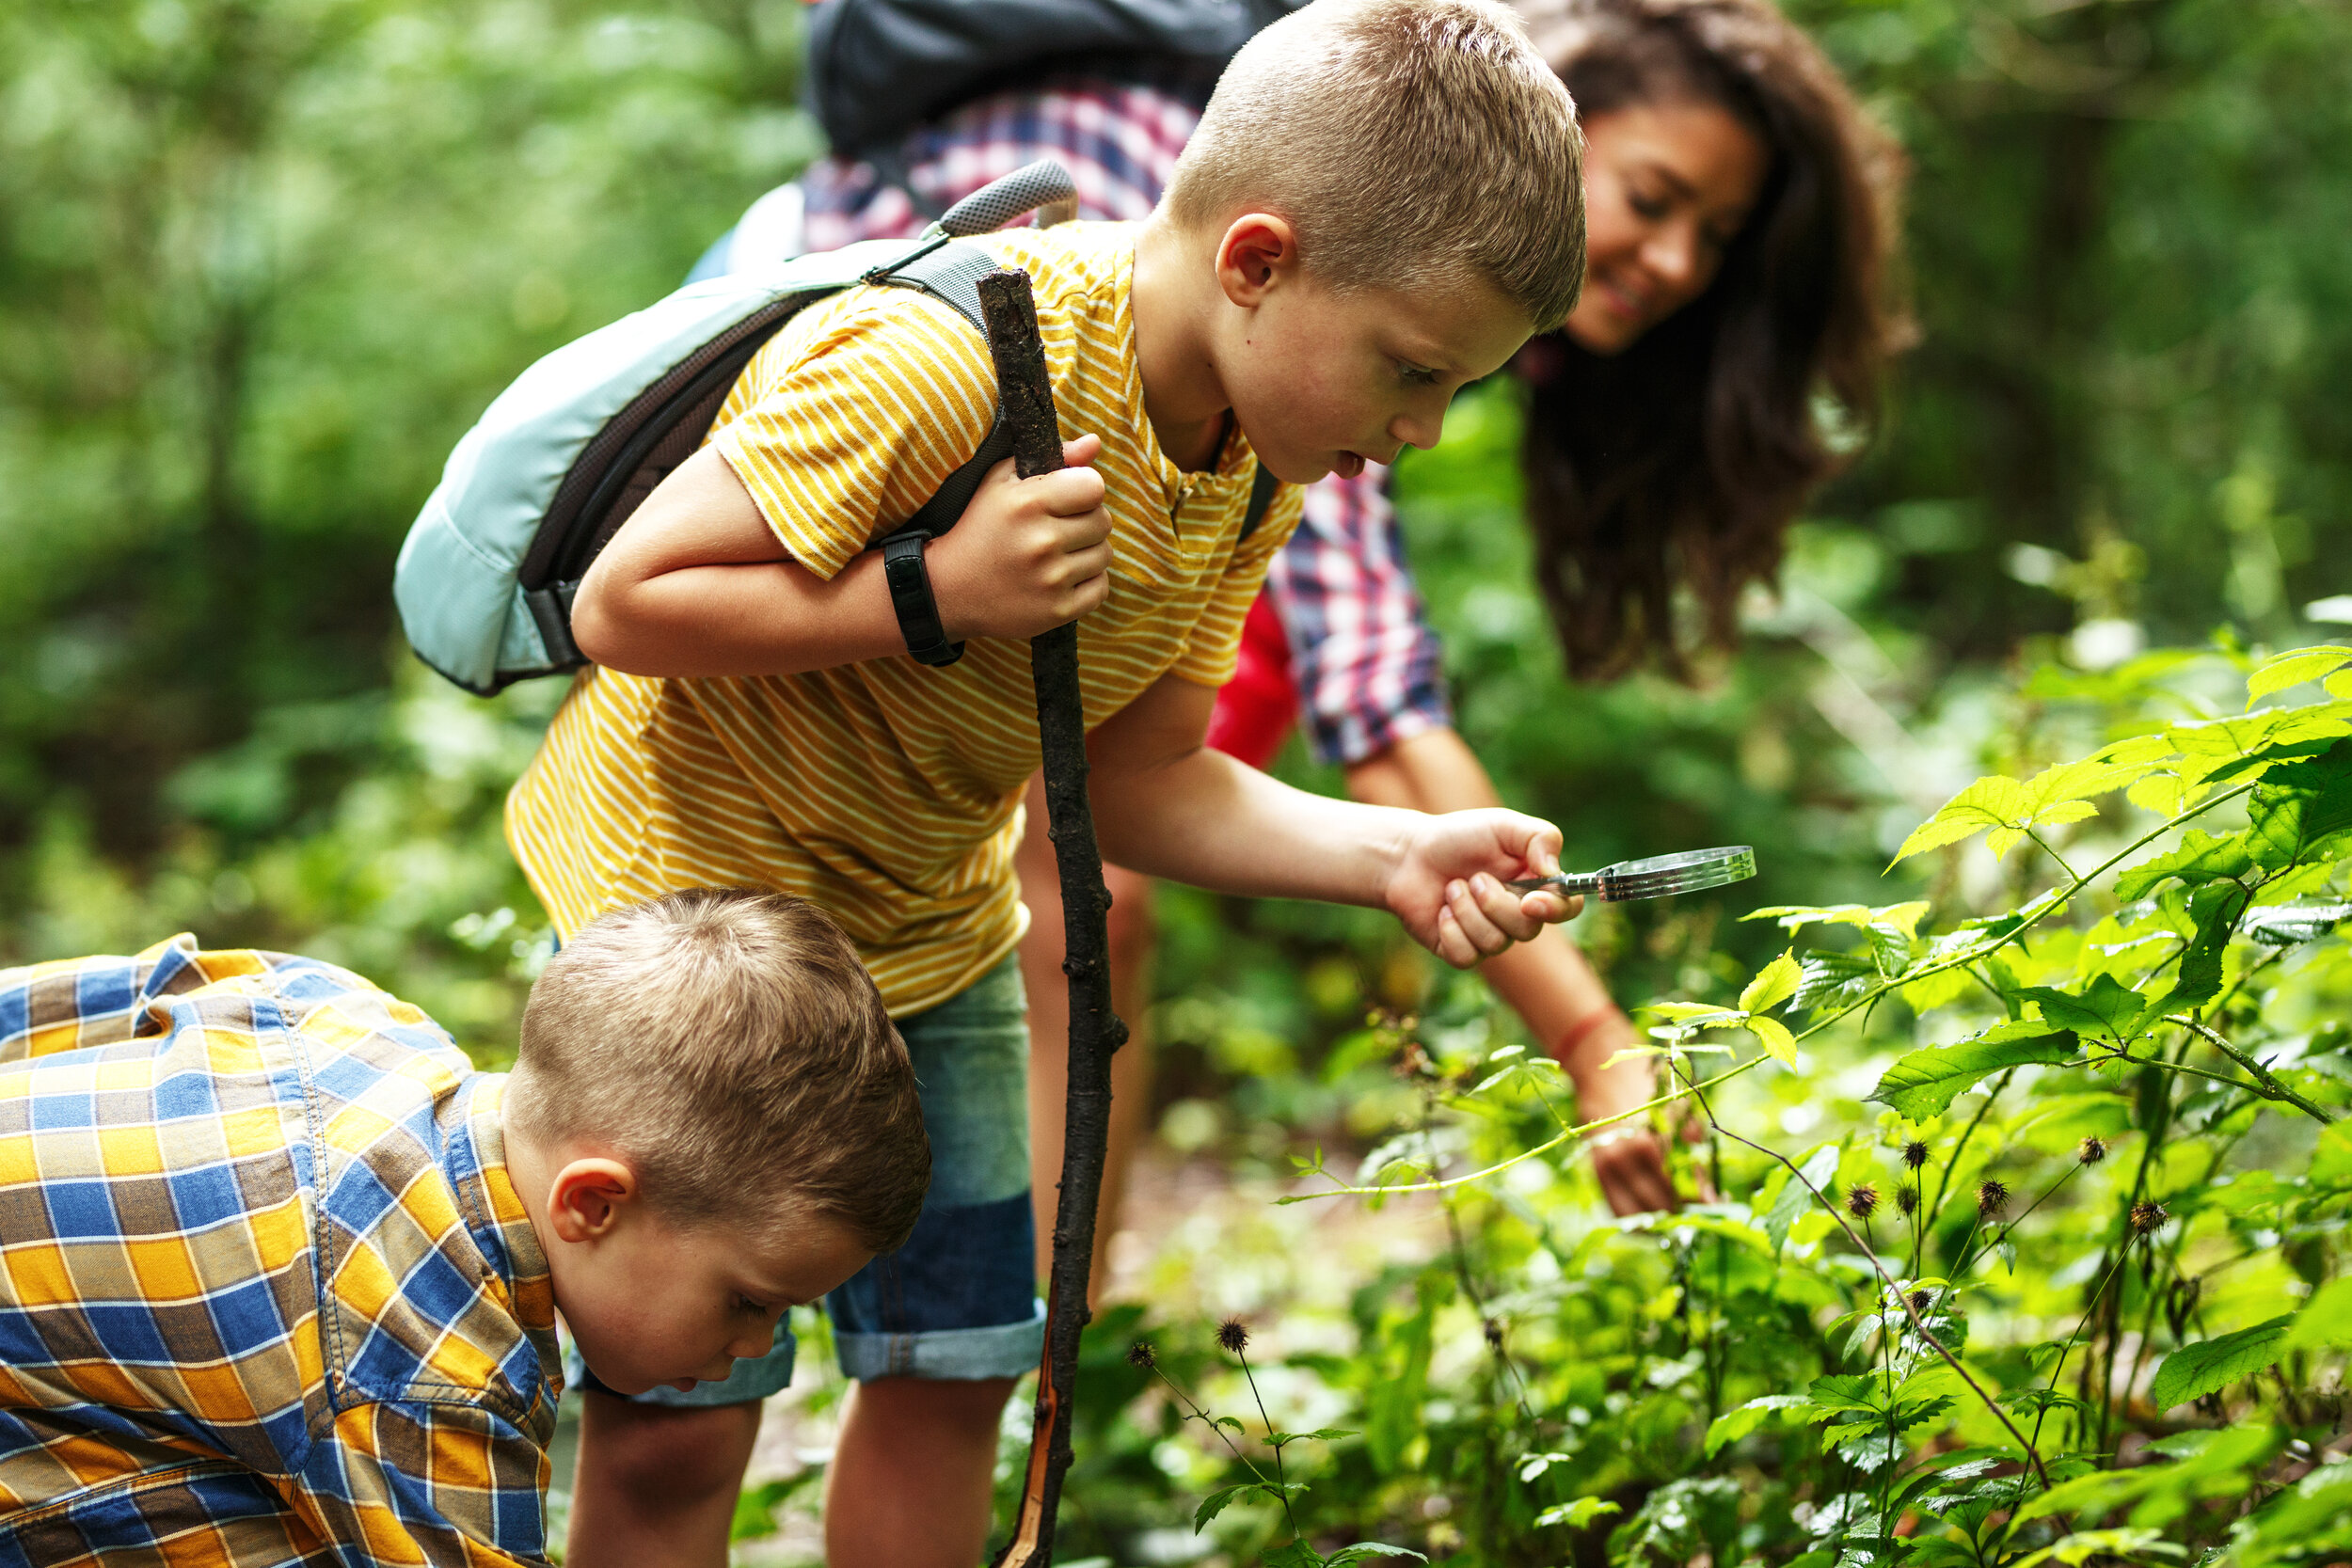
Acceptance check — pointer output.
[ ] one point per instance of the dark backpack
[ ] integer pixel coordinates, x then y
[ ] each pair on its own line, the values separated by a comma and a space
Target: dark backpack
879, 67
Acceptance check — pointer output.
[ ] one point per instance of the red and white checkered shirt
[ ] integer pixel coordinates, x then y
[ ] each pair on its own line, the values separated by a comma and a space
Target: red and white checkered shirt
1363, 662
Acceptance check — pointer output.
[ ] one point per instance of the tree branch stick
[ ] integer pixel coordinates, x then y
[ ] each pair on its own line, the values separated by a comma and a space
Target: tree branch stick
1096, 1031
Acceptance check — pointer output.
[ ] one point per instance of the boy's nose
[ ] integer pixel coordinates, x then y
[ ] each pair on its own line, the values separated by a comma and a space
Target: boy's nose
1419, 430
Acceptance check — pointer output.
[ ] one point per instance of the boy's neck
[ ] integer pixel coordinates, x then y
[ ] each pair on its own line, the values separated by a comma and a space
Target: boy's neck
1183, 395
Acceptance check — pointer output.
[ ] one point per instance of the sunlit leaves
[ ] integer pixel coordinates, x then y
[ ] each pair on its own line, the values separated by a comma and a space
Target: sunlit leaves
2201, 858
2294, 669
2298, 806
2007, 810
2105, 1006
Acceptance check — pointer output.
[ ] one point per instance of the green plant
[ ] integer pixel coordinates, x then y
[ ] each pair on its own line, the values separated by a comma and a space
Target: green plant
2104, 1320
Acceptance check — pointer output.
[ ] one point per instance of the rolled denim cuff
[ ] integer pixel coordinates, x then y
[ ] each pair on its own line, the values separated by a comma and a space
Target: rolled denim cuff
944, 1354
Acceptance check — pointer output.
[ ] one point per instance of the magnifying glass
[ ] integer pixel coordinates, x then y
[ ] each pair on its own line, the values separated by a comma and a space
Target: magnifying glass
1655, 878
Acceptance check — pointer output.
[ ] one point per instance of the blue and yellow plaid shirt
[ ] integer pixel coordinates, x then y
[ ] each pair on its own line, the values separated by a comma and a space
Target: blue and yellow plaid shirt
267, 1295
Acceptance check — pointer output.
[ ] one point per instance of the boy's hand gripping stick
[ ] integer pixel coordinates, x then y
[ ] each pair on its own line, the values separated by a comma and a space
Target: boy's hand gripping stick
1096, 1031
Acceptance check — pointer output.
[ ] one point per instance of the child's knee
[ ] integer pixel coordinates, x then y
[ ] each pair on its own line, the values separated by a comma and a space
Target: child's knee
668, 1456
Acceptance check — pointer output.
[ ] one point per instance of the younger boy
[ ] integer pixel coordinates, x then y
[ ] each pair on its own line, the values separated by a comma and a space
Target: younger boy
1380, 206
279, 1270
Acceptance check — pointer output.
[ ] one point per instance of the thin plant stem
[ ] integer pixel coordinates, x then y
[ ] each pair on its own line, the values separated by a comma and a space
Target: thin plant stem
2262, 1074
1280, 1482
2068, 1349
1911, 1310
1944, 1177
2047, 1193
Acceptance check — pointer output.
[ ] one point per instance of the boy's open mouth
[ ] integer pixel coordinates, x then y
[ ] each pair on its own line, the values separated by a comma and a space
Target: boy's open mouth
1348, 465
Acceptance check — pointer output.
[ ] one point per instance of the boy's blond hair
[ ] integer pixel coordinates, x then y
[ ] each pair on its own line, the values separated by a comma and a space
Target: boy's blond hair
729, 1045
1409, 143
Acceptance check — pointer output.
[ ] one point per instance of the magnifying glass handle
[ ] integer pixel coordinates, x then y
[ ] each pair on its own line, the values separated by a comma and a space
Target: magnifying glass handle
1568, 884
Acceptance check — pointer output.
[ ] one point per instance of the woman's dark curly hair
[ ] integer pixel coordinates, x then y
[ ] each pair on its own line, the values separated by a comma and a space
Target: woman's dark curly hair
1681, 461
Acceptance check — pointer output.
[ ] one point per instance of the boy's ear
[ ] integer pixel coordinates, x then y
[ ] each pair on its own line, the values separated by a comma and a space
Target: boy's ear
589, 1195
1256, 252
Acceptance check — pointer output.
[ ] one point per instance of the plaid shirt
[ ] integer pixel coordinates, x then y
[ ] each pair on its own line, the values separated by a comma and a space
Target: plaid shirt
267, 1293
1363, 658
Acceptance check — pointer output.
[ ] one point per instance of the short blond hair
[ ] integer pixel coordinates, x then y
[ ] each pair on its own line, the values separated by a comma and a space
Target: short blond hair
1407, 143
729, 1045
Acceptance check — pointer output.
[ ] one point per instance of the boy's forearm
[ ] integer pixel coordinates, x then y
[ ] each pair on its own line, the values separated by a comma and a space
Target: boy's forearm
1208, 820
696, 584
774, 618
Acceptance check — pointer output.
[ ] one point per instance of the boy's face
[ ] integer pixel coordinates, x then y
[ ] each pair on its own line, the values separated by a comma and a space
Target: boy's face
652, 1301
1325, 382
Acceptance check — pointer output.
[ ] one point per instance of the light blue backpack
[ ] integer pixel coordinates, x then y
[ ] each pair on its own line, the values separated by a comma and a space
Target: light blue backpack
556, 465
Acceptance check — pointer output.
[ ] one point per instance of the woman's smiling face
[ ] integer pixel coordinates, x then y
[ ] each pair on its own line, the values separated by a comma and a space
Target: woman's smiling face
1667, 188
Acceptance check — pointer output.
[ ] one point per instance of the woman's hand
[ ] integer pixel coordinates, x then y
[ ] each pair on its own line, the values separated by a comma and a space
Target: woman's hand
1446, 882
1627, 1159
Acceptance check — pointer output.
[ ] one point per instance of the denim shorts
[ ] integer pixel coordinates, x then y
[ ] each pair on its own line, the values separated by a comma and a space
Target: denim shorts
959, 1299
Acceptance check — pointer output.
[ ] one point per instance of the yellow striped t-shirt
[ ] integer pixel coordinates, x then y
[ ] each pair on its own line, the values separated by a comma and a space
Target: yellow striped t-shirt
887, 792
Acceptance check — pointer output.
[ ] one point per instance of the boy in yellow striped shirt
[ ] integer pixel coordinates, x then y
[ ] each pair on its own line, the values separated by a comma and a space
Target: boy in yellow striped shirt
1380, 205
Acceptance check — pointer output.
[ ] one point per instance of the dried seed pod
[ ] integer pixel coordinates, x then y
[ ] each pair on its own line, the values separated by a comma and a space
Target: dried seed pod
1862, 1200
1907, 1199
1992, 1197
1921, 1301
1915, 1154
1233, 1335
1140, 1353
2147, 1215
1494, 1334
2092, 1150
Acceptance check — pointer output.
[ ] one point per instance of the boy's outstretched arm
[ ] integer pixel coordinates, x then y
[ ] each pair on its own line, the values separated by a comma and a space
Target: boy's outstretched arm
696, 582
1165, 805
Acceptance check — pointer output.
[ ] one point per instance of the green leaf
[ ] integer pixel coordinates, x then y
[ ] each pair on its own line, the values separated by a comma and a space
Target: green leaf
2300, 805
1922, 1085
1775, 1038
2201, 858
1819, 1167
2083, 1545
2286, 924
1216, 1502
1775, 983
2106, 1005
2294, 669
1363, 1549
1732, 1425
1291, 1553
1937, 991
1578, 1515
1392, 1405
2214, 908
2331, 1161
1830, 978
1703, 1014
2325, 1320
1990, 802
2194, 1370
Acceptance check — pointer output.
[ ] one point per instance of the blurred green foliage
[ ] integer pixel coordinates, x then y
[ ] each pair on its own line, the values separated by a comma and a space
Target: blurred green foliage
263, 260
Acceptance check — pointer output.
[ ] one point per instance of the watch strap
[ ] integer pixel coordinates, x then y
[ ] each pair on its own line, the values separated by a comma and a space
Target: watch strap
910, 582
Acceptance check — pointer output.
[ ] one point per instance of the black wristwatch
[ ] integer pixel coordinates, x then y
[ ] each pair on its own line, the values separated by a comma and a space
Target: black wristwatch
911, 597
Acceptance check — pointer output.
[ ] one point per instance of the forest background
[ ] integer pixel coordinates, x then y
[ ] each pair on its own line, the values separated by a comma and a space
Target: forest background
260, 264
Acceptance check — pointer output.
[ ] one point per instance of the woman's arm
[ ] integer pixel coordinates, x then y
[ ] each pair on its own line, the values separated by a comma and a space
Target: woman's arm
1545, 981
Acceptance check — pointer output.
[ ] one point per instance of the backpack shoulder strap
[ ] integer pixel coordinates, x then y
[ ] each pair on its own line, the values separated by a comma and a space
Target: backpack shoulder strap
1262, 491
950, 273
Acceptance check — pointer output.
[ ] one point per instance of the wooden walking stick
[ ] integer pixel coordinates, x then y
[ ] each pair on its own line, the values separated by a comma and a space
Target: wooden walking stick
1096, 1031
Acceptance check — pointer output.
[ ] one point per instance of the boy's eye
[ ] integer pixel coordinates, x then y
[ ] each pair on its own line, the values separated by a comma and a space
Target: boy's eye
1416, 375
745, 1304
